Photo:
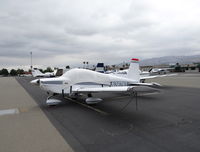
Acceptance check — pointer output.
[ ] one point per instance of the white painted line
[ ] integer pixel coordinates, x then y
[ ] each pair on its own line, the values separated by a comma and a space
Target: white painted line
9, 112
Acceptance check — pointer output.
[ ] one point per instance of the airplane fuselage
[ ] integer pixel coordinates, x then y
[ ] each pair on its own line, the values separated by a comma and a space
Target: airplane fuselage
79, 78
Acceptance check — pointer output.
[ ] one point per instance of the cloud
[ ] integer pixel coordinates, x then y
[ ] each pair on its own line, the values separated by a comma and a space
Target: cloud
68, 32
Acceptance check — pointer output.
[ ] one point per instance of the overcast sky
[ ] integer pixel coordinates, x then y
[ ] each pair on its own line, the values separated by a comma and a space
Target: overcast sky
68, 32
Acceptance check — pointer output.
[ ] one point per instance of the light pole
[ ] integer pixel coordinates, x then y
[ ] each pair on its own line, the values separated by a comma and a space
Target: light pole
31, 61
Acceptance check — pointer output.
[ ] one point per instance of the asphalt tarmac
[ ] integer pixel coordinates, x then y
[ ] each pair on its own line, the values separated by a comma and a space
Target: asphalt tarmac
165, 122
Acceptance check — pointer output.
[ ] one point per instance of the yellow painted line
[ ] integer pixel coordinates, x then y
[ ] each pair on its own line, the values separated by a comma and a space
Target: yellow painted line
89, 107
23, 109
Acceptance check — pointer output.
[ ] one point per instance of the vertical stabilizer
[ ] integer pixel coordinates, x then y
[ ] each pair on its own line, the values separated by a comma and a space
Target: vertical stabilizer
100, 68
36, 73
133, 71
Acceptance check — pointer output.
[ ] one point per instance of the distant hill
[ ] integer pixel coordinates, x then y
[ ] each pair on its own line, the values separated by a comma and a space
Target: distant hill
171, 60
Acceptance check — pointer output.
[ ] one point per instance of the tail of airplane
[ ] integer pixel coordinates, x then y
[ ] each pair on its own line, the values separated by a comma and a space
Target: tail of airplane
36, 72
100, 68
55, 72
134, 71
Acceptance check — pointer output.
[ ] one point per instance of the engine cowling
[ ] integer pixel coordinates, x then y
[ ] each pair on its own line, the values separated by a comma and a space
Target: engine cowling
51, 102
92, 100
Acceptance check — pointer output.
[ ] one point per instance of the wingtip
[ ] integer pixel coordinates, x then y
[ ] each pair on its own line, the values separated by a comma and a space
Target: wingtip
35, 82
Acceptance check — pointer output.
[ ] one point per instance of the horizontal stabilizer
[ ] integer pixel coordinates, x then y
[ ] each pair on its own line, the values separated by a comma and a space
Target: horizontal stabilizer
156, 76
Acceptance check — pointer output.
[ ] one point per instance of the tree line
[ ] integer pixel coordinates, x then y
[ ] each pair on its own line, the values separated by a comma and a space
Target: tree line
13, 72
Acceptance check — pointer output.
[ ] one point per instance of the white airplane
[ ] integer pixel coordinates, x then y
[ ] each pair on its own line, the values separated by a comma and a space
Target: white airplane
159, 70
82, 81
61, 71
126, 72
38, 73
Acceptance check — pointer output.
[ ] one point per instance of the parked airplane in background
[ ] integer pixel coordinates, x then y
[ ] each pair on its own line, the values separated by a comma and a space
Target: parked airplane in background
38, 73
125, 72
153, 73
82, 81
61, 71
159, 70
100, 68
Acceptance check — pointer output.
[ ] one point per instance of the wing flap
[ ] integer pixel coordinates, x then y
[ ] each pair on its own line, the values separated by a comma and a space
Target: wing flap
101, 89
123, 89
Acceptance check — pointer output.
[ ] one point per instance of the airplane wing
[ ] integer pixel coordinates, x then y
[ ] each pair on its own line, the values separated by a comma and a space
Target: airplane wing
155, 76
122, 89
101, 89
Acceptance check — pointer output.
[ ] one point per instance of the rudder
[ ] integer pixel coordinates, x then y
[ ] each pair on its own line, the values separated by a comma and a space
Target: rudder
133, 71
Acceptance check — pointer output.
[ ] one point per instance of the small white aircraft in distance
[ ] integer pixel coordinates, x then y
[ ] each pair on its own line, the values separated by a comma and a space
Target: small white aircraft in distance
38, 73
159, 70
125, 72
75, 82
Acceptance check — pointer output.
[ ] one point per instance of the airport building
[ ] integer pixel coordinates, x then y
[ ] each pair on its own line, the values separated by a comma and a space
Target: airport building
192, 68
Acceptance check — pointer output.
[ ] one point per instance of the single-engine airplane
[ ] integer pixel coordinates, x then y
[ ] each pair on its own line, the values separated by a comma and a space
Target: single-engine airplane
82, 81
38, 73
